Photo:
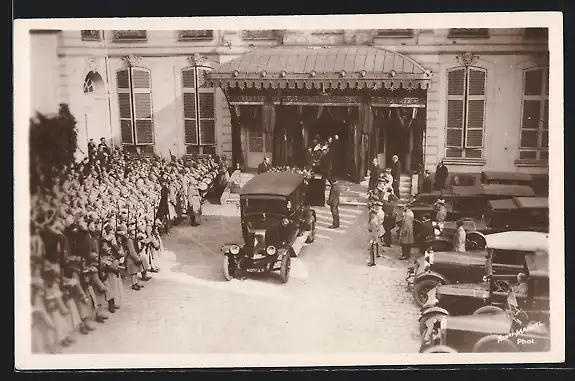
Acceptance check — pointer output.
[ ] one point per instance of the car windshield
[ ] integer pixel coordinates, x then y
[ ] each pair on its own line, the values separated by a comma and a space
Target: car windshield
263, 205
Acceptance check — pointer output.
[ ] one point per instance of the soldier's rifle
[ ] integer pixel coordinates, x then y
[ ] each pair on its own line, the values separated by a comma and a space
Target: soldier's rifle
100, 272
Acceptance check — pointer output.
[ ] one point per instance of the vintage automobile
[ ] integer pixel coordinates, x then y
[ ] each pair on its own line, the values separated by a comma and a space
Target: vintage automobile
469, 201
506, 178
509, 330
490, 295
511, 214
276, 221
518, 213
506, 250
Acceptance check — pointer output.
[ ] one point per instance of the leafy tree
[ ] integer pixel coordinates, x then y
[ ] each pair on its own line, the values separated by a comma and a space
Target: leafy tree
53, 141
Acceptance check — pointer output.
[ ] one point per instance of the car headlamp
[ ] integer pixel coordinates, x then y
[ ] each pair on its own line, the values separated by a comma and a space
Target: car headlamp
271, 250
234, 249
429, 257
289, 205
285, 222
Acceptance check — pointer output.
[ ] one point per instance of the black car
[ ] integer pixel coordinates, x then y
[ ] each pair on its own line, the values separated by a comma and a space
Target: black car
506, 250
509, 330
276, 221
490, 296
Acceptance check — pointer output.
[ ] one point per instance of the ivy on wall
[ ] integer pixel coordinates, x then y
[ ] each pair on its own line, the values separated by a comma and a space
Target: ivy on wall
53, 141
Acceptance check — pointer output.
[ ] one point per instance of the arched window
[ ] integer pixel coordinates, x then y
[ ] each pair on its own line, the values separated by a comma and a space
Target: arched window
88, 85
135, 104
199, 127
465, 112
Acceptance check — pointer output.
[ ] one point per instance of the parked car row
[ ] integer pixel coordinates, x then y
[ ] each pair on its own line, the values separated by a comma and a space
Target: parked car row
495, 300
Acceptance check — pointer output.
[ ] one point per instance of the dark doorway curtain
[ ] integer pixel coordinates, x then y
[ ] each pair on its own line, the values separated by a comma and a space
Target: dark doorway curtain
304, 132
280, 153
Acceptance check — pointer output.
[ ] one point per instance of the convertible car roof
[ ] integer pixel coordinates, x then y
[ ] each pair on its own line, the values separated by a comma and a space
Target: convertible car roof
272, 183
518, 240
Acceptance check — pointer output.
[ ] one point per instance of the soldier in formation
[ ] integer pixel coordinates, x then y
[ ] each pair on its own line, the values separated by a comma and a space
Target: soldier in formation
102, 221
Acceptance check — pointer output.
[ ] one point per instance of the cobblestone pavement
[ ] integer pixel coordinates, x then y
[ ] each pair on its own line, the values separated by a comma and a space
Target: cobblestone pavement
332, 303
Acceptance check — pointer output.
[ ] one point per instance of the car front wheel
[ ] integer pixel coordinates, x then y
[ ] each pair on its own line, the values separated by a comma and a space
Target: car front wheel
285, 267
494, 343
229, 268
425, 319
487, 310
439, 349
421, 288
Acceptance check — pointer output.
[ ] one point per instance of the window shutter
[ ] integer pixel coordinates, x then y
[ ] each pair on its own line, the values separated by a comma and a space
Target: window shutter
475, 109
190, 113
207, 119
141, 87
125, 107
455, 111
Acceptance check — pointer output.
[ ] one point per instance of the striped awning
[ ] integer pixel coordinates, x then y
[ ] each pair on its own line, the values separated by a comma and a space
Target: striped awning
321, 67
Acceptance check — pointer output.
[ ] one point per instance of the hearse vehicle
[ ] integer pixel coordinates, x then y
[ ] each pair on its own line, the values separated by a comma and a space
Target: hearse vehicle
506, 250
506, 178
509, 330
490, 295
511, 214
276, 221
467, 201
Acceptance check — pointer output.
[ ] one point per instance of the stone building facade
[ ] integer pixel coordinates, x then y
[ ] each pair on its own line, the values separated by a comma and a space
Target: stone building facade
485, 105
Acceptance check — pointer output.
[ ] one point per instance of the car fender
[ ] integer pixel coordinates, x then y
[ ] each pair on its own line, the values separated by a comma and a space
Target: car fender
431, 275
433, 310
476, 236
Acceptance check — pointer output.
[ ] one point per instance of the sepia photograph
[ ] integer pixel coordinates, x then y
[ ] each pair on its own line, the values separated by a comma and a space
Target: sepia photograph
245, 197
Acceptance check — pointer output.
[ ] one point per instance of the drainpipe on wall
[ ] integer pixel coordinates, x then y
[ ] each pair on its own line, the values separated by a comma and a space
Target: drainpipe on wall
106, 64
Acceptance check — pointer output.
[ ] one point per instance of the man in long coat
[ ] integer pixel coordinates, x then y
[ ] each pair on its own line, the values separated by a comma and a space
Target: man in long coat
406, 233
395, 172
374, 173
441, 173
333, 202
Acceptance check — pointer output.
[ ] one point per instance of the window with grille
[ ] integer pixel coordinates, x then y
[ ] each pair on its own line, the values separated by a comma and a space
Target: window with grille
259, 34
130, 35
465, 112
395, 33
534, 139
199, 113
135, 104
196, 35
90, 35
469, 32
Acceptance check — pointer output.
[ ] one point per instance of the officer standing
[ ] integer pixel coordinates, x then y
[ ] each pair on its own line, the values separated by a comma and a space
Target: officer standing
194, 204
333, 202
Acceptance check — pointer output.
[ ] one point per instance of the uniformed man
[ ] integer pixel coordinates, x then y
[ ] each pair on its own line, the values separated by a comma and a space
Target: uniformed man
441, 214
194, 204
333, 202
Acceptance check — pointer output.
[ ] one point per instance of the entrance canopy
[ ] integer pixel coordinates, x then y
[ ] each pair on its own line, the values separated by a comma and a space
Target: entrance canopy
321, 67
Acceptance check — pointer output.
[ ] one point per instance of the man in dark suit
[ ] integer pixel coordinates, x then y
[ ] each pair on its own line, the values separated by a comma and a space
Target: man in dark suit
441, 173
333, 202
395, 172
374, 173
264, 165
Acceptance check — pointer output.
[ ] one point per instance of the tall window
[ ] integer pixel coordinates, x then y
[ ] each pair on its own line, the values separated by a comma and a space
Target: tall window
130, 35
90, 35
196, 35
199, 115
135, 99
465, 112
534, 142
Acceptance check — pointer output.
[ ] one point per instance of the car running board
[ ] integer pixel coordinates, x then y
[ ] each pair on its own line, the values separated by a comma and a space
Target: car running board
298, 243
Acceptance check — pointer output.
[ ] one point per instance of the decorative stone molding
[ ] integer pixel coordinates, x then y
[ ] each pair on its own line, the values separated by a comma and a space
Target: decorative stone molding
131, 60
93, 65
197, 59
467, 59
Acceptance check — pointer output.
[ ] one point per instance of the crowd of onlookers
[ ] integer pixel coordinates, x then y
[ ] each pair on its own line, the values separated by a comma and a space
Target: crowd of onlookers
101, 222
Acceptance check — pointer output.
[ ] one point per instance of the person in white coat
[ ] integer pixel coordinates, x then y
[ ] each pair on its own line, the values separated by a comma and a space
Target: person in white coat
459, 238
194, 204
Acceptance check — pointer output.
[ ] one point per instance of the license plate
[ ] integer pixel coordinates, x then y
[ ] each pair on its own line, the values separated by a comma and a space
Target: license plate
255, 270
258, 256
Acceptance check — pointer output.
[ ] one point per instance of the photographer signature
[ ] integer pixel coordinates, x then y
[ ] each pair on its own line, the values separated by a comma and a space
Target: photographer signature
529, 327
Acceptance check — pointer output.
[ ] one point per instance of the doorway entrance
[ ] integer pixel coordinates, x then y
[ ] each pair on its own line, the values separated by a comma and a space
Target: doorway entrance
341, 147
